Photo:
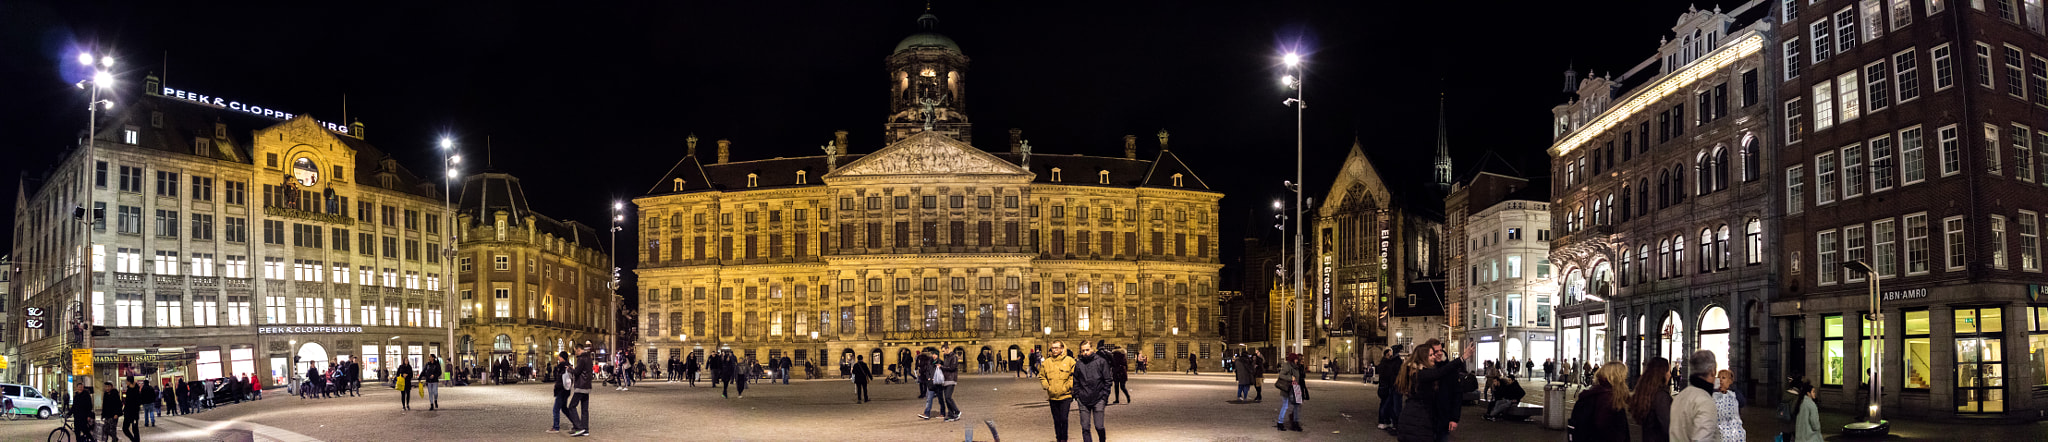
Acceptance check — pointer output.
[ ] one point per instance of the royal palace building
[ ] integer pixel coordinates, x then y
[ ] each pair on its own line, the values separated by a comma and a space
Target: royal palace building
530, 285
1916, 151
928, 240
235, 240
1661, 206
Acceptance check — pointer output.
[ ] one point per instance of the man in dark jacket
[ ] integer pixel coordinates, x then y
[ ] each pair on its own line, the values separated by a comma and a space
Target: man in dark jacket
131, 411
81, 411
110, 410
1506, 393
578, 407
562, 383
1119, 394
1092, 381
860, 379
1390, 399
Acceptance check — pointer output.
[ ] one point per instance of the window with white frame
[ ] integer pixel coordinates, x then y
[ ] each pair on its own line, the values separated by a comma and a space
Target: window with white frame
1845, 29
128, 310
1998, 242
501, 263
1795, 197
2016, 71
1825, 178
501, 302
166, 262
1753, 232
1951, 150
128, 260
1912, 159
1793, 60
275, 311
238, 311
1795, 121
1848, 97
1877, 86
1983, 74
1818, 33
205, 313
1906, 73
169, 313
2030, 240
342, 312
1852, 171
1901, 13
1884, 247
1952, 239
1917, 258
1828, 270
1991, 153
2021, 138
1881, 175
1853, 246
1873, 19
1823, 105
1944, 67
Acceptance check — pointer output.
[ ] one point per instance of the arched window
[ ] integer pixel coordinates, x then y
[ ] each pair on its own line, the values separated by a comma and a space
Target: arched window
1721, 250
1677, 183
801, 175
1624, 204
1663, 189
1663, 259
1714, 334
753, 180
1625, 275
1643, 262
1597, 220
1672, 337
1704, 166
1755, 238
1751, 159
1720, 168
1643, 197
1677, 256
1610, 208
501, 343
1706, 250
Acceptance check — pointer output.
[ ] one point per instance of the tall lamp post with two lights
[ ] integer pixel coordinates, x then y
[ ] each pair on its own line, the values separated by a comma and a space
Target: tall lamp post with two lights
450, 160
1294, 81
102, 79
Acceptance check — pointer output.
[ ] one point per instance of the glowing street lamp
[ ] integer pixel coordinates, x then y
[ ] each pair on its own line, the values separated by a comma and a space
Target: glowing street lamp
1293, 80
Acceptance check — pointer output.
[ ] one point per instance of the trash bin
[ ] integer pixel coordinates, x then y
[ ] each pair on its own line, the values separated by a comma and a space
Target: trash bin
1554, 410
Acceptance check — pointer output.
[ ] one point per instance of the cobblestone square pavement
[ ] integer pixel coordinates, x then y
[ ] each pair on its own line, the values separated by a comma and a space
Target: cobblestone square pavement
1166, 407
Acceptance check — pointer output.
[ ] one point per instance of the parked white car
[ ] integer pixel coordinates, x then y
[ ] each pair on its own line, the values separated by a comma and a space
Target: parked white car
28, 401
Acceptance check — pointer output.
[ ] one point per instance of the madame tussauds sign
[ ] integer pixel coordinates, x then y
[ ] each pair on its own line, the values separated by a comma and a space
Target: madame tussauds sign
238, 106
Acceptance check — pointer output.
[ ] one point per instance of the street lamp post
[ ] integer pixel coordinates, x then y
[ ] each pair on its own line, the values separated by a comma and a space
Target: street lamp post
1294, 81
101, 79
449, 160
612, 322
1874, 423
1280, 270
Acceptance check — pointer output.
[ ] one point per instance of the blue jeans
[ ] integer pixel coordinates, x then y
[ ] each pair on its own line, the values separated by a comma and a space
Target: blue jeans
931, 394
560, 403
149, 414
1289, 411
1242, 389
1390, 407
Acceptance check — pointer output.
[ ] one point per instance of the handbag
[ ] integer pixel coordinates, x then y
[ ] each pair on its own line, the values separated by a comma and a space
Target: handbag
1298, 392
400, 384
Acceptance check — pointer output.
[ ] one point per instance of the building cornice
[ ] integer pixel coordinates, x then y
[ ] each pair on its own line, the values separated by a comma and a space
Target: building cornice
1751, 42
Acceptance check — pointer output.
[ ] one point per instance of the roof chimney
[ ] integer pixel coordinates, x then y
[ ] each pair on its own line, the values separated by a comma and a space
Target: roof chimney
724, 151
840, 136
692, 143
1016, 140
1162, 140
1130, 147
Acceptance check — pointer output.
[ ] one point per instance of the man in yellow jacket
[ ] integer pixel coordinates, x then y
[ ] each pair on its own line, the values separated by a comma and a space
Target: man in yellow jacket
1056, 374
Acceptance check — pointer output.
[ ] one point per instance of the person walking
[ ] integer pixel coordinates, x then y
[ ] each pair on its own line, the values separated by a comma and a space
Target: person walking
1093, 379
947, 379
1258, 369
405, 385
563, 383
924, 374
578, 407
1727, 410
81, 411
151, 399
1601, 414
861, 379
432, 376
1651, 402
745, 375
131, 411
110, 411
1293, 393
1549, 369
1244, 376
1117, 361
1694, 415
1194, 365
860, 376
1056, 376
1806, 422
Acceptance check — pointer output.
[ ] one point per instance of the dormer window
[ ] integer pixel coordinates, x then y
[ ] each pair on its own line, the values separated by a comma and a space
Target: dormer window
130, 136
1055, 174
220, 130
800, 176
156, 119
678, 185
753, 180
1102, 177
200, 146
1176, 180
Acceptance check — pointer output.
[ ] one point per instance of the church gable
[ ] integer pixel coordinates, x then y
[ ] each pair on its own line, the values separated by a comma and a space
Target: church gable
928, 153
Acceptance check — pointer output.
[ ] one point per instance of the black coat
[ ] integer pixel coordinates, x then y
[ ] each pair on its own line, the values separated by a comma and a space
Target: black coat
81, 407
561, 369
861, 373
131, 405
1092, 378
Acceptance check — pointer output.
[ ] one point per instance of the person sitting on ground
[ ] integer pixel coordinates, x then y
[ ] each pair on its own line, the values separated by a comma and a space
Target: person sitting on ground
1506, 394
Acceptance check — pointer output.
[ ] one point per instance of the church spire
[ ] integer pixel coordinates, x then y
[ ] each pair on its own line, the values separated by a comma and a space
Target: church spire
1443, 149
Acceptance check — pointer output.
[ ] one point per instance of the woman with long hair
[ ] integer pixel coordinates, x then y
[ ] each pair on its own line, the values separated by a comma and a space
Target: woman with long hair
1652, 402
1423, 379
1602, 411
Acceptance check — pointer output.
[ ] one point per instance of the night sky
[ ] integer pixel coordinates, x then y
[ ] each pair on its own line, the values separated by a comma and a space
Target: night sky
590, 103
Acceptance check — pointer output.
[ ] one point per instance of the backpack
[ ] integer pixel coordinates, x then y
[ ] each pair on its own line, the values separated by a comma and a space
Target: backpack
1788, 410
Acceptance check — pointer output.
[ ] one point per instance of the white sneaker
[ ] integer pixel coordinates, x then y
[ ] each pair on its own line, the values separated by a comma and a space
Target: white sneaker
1383, 426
